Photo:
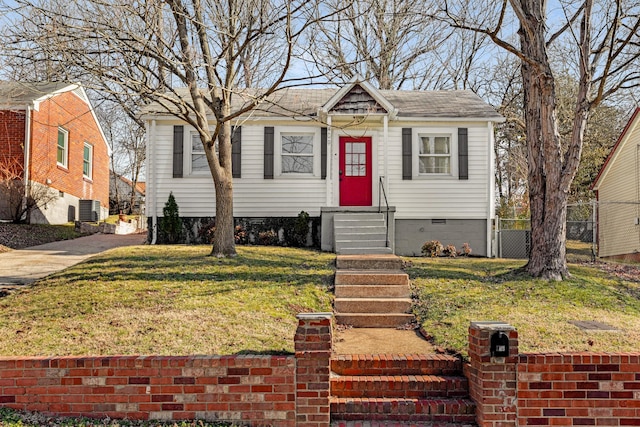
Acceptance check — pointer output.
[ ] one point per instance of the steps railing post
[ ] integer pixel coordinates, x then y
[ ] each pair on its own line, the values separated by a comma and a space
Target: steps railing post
313, 341
493, 379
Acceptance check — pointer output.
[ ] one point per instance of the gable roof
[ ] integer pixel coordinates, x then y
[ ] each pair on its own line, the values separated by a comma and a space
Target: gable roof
615, 150
307, 102
17, 95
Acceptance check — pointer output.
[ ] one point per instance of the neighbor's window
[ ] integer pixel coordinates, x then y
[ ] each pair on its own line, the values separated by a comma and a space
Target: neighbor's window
297, 153
87, 160
434, 156
63, 147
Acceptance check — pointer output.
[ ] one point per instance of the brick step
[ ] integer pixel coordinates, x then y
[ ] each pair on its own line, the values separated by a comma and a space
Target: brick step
389, 409
374, 320
368, 423
368, 277
404, 386
372, 291
396, 364
372, 305
369, 262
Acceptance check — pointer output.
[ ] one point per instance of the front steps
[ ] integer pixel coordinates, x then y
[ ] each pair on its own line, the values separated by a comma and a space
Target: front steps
371, 291
360, 233
399, 390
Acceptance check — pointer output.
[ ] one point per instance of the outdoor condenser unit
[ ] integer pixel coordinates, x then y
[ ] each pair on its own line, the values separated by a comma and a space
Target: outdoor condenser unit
89, 210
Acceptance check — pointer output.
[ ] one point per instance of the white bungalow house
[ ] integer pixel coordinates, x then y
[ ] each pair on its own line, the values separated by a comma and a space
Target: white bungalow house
422, 162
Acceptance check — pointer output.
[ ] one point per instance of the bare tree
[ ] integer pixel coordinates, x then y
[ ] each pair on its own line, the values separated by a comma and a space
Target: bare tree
394, 44
19, 197
144, 49
605, 40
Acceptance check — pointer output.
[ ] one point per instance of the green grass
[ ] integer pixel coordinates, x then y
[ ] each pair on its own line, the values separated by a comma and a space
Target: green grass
11, 418
451, 293
168, 300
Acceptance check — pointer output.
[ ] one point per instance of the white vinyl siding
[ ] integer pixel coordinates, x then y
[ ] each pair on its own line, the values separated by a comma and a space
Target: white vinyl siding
253, 195
435, 197
618, 196
422, 198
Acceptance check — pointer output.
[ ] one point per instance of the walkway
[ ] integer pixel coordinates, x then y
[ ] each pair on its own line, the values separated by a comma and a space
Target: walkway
25, 266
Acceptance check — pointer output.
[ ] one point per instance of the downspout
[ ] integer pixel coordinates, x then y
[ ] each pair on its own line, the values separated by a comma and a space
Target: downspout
330, 161
27, 151
491, 188
151, 151
386, 151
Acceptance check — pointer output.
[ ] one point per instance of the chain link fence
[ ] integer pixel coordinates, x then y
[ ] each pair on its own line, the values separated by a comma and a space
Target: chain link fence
514, 234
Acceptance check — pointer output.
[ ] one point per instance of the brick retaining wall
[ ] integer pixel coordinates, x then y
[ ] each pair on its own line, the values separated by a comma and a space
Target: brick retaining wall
571, 389
288, 390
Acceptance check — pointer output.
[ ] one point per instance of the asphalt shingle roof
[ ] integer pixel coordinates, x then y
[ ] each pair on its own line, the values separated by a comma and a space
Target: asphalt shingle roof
412, 104
19, 94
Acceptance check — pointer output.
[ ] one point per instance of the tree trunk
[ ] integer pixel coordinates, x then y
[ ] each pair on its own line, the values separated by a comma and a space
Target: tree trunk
224, 243
547, 193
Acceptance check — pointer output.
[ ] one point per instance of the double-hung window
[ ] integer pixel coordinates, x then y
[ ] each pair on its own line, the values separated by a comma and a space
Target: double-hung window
199, 164
87, 161
63, 147
434, 154
297, 153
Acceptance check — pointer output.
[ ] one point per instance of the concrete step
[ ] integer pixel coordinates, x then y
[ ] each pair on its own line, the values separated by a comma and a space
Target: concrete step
362, 243
369, 261
374, 320
365, 251
399, 386
396, 364
361, 216
355, 234
372, 291
372, 305
447, 410
370, 278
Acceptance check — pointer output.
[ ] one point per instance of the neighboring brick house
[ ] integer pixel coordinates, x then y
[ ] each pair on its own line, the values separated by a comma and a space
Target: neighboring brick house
52, 144
120, 189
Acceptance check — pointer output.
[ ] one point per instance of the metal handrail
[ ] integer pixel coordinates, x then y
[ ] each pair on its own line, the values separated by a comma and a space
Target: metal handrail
386, 202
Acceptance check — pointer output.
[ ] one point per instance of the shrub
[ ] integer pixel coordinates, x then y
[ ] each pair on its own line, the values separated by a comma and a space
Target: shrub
450, 251
432, 248
301, 230
466, 249
171, 224
240, 235
267, 238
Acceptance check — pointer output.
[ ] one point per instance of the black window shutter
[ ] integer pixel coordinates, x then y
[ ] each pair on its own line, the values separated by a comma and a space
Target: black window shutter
268, 153
236, 152
463, 153
323, 153
407, 158
178, 151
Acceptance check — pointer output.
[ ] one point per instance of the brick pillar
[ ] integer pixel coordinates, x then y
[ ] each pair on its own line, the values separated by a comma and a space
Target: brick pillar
492, 380
313, 354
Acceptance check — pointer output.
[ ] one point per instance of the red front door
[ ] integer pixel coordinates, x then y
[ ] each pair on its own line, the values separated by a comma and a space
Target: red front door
355, 171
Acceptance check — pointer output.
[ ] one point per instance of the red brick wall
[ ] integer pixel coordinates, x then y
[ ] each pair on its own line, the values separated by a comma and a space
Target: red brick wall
570, 389
234, 388
284, 391
12, 129
71, 113
592, 389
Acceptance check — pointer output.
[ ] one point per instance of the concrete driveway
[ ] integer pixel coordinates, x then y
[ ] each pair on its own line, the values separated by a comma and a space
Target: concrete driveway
25, 266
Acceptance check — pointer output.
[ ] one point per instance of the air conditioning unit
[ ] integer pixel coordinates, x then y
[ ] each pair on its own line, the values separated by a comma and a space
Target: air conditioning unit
89, 210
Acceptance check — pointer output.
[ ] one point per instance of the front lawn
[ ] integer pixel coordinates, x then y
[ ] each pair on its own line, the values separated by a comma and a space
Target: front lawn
450, 293
168, 300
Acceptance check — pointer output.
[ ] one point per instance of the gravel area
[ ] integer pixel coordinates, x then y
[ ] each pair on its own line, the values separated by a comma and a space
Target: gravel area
19, 236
